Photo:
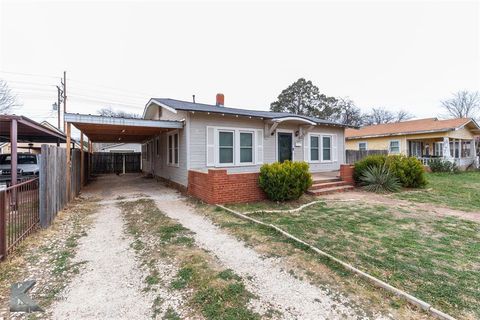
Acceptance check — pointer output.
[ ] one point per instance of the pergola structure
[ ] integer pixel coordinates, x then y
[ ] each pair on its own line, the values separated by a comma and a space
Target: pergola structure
15, 129
113, 129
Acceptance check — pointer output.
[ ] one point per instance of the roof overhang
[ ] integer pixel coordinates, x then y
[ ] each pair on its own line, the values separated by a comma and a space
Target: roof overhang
113, 129
294, 119
28, 130
154, 103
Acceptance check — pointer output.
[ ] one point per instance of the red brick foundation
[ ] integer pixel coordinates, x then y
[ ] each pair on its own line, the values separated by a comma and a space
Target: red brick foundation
217, 186
346, 173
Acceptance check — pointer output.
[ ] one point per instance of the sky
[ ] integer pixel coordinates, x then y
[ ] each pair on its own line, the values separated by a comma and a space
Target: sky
396, 55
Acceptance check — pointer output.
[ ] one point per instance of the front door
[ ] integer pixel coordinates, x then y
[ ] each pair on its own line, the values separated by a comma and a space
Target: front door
284, 146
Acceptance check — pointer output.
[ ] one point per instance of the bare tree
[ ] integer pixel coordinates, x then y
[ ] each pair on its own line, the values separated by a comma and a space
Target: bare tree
7, 99
348, 112
403, 115
109, 112
463, 104
378, 116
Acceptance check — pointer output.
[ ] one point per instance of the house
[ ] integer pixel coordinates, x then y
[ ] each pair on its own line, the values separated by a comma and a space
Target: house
117, 147
218, 152
427, 139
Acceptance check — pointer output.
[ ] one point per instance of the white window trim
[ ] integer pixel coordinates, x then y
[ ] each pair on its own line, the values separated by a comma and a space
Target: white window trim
173, 133
236, 147
366, 145
390, 147
276, 142
320, 148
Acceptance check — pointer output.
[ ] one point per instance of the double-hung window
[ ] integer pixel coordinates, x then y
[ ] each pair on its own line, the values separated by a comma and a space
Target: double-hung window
246, 147
326, 148
226, 141
394, 146
362, 146
314, 148
172, 144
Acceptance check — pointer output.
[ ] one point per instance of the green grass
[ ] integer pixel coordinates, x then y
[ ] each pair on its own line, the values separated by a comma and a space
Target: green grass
457, 191
435, 259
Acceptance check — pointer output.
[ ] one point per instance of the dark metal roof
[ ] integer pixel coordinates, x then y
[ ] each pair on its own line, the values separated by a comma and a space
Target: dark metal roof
28, 130
201, 107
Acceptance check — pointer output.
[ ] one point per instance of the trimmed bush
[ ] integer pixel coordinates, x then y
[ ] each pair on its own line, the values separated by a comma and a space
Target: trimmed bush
285, 181
379, 179
439, 165
408, 170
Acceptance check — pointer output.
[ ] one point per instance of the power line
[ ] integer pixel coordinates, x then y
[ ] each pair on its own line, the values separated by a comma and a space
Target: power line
29, 74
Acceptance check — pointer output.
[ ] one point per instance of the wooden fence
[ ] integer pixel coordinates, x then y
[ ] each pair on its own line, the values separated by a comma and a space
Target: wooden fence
53, 181
353, 156
110, 162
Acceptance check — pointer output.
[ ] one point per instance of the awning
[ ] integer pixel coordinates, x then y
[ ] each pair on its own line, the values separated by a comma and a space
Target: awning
113, 129
28, 130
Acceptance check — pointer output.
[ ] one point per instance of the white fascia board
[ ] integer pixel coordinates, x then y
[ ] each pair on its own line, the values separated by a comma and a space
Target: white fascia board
291, 118
93, 119
155, 102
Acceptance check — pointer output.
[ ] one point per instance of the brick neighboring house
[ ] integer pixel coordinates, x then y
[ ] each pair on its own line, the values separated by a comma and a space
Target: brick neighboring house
218, 153
426, 139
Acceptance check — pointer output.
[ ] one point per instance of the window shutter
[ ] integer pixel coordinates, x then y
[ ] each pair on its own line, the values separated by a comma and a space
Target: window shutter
259, 146
306, 148
210, 146
334, 147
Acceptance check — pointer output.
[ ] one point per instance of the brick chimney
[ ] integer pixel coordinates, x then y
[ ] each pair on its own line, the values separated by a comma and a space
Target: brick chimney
220, 100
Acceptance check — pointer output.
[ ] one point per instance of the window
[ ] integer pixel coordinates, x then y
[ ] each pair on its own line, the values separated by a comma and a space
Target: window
362, 146
314, 148
226, 153
394, 146
438, 149
326, 148
416, 148
173, 149
246, 147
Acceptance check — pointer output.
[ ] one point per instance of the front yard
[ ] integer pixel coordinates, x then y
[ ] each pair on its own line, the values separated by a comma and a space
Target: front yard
433, 257
458, 191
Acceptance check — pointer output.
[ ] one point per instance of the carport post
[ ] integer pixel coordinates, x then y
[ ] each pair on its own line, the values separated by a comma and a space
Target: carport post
13, 153
68, 144
82, 159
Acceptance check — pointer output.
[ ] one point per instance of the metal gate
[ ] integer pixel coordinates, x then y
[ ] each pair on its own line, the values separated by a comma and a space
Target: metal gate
110, 162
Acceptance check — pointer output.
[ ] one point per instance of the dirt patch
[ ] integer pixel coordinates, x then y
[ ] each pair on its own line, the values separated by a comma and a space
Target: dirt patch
373, 198
47, 257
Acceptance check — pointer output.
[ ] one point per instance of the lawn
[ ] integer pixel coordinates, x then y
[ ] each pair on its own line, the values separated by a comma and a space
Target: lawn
436, 259
457, 191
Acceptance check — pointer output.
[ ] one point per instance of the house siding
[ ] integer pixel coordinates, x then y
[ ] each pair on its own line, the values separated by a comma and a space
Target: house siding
198, 126
157, 165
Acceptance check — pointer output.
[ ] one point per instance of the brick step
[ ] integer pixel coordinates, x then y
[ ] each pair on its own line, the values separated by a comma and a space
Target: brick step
330, 190
333, 179
325, 185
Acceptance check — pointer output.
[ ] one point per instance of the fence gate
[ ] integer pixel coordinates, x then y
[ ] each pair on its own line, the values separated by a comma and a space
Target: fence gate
112, 162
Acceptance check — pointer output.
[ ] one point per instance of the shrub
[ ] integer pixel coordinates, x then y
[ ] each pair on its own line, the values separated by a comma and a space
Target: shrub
379, 179
439, 165
409, 170
285, 181
362, 165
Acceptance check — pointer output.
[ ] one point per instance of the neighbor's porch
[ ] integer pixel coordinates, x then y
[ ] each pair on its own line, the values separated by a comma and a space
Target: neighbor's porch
461, 151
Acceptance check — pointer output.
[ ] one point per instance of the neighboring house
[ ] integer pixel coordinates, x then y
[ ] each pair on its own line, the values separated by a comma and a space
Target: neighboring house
220, 150
452, 139
117, 147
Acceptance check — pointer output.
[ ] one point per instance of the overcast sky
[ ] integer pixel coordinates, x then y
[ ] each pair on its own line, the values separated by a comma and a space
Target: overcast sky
407, 55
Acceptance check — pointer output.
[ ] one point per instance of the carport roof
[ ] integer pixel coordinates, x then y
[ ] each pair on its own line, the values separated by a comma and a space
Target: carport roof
28, 130
114, 129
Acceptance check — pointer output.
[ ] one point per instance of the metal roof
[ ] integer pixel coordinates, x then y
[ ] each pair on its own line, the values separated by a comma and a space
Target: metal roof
28, 130
201, 107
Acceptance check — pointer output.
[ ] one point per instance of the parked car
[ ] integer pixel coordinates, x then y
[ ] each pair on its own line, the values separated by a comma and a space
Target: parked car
28, 165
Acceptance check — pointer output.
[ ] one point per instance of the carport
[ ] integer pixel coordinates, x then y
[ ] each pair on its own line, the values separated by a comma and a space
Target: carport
113, 129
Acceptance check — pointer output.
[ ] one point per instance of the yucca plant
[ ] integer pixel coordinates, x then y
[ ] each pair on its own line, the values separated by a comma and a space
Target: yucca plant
379, 179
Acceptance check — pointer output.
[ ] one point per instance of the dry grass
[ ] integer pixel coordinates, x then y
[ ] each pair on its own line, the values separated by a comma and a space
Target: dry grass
46, 256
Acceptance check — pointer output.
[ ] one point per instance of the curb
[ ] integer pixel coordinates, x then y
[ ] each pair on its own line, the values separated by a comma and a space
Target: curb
377, 282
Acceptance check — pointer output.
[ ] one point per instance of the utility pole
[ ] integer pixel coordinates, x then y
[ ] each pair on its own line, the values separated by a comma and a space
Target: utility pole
64, 91
59, 103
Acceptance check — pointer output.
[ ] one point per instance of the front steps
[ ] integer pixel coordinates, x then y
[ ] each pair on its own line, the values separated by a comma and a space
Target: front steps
328, 186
